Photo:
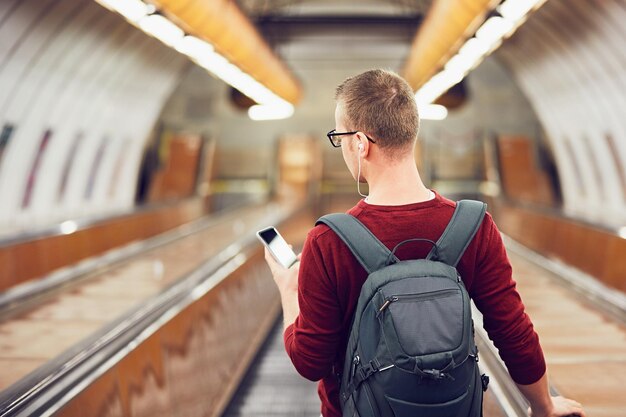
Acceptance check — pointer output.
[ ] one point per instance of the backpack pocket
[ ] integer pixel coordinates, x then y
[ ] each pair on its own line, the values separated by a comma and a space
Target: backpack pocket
425, 323
451, 408
361, 403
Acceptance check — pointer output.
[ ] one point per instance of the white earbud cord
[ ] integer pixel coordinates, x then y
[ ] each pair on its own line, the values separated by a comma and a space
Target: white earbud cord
358, 178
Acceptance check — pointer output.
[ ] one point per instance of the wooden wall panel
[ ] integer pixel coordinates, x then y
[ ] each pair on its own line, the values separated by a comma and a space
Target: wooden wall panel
7, 269
32, 259
522, 178
299, 165
100, 399
64, 250
179, 176
595, 251
187, 355
142, 381
192, 365
615, 268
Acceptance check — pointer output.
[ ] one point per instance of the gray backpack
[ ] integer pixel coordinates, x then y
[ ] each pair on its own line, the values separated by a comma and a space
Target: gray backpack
411, 350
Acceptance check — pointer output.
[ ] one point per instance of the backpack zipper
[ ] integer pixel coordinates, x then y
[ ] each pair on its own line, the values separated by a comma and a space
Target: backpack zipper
415, 297
355, 362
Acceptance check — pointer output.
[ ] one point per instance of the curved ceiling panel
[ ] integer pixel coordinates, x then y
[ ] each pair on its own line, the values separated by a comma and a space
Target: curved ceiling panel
81, 91
569, 60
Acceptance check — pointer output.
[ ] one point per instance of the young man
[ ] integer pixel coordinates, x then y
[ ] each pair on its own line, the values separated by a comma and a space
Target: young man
376, 125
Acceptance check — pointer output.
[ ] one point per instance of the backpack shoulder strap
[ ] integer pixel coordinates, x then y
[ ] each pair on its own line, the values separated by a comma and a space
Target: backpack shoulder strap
368, 250
457, 236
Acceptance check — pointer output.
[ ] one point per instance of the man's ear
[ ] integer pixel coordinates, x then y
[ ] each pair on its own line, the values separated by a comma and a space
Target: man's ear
363, 145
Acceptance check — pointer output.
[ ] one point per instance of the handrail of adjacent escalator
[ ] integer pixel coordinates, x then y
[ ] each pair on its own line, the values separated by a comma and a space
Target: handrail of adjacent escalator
504, 389
20, 295
603, 297
82, 223
46, 389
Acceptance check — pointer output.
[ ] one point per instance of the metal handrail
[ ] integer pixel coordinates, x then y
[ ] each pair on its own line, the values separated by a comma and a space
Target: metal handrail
21, 296
84, 222
50, 387
602, 297
504, 389
606, 299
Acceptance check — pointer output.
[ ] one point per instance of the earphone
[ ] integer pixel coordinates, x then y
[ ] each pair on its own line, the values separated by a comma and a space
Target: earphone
358, 177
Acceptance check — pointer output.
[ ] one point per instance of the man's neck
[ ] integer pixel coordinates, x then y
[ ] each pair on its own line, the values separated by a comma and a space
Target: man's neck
396, 183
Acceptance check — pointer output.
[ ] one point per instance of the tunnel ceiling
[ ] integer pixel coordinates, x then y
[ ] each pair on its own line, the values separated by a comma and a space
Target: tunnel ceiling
337, 31
325, 41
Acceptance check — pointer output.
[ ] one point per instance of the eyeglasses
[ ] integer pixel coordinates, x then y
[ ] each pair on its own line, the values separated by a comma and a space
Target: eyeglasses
335, 137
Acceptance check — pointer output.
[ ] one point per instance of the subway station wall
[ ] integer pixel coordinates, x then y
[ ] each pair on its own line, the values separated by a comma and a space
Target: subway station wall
453, 149
569, 60
80, 90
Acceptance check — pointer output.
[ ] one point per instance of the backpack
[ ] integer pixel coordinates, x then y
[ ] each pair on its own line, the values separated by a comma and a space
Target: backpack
411, 349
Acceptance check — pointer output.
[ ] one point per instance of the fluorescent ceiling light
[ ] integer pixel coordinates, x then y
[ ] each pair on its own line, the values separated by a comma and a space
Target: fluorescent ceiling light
515, 9
232, 75
216, 64
270, 112
270, 107
437, 85
493, 30
132, 10
474, 49
433, 112
460, 64
162, 29
194, 48
255, 90
488, 37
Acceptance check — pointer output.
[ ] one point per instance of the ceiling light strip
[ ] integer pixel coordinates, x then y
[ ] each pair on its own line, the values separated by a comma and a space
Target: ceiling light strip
488, 37
270, 106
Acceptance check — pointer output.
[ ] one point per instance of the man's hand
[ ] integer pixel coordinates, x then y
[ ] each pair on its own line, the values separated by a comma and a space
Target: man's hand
286, 280
561, 407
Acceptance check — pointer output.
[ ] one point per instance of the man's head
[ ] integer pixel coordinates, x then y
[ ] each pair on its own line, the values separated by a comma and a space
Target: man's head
382, 105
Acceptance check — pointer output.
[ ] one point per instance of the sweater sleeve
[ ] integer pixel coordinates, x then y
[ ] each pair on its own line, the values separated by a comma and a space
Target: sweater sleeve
508, 326
313, 339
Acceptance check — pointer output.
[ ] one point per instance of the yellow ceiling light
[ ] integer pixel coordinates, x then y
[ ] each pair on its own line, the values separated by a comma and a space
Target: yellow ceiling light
162, 29
258, 112
194, 48
132, 10
230, 32
450, 44
447, 24
239, 58
433, 112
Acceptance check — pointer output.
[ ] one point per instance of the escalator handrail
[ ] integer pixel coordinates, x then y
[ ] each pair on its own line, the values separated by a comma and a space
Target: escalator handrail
51, 386
20, 296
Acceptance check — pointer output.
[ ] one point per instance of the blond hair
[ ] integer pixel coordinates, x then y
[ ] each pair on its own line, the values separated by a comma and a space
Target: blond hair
382, 105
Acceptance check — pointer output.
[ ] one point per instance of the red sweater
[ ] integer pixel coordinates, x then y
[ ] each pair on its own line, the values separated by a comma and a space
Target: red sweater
330, 280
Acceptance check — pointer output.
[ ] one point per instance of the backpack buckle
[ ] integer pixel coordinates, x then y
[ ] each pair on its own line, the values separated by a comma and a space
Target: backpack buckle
368, 370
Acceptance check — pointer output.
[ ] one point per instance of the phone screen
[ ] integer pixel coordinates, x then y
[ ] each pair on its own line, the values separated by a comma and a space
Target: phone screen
277, 246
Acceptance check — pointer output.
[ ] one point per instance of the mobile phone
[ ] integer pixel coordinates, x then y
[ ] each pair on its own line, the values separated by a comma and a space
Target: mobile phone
277, 246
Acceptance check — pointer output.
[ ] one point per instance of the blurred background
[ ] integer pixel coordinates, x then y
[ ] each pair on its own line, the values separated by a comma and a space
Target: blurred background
143, 143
